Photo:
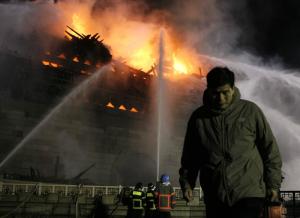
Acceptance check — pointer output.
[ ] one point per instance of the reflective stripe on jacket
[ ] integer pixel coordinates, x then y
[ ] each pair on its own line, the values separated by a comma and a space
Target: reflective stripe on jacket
166, 197
137, 199
150, 200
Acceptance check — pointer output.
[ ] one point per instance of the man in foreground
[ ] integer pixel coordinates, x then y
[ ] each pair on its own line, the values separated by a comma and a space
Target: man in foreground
230, 142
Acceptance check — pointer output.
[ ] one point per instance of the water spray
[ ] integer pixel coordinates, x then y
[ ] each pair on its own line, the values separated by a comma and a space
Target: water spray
159, 99
86, 83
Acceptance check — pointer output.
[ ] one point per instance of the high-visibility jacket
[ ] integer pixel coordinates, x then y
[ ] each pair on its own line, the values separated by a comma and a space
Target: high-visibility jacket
166, 197
151, 200
137, 199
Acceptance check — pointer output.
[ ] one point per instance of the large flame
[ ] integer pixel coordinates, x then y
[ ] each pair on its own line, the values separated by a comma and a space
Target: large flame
78, 24
179, 66
132, 41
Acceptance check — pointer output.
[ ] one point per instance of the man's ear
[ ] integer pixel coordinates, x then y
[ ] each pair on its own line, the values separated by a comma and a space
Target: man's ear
233, 89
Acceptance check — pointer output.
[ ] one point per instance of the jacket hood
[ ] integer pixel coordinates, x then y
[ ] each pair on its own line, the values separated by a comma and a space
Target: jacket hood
208, 105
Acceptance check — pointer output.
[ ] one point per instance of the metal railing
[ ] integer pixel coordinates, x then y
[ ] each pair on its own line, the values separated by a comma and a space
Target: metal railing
291, 200
70, 200
14, 187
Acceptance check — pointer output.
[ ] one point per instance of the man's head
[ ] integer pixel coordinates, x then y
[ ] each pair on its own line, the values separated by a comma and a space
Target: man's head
139, 186
151, 186
220, 87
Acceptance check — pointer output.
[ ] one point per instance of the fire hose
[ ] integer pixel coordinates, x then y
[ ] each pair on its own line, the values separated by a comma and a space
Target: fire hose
115, 208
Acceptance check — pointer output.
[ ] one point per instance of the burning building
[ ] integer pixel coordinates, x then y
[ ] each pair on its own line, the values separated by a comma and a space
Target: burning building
111, 124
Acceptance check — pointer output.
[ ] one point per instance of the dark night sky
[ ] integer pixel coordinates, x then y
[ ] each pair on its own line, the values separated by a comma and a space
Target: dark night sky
268, 28
276, 29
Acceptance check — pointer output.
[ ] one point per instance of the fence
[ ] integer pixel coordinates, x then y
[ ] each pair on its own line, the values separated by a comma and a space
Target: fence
14, 187
291, 201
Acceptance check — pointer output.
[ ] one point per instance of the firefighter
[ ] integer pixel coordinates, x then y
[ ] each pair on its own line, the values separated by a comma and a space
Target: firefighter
166, 197
124, 195
100, 209
137, 202
151, 202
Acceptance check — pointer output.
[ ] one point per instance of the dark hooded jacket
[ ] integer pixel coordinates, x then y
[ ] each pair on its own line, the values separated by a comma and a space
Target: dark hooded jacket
234, 150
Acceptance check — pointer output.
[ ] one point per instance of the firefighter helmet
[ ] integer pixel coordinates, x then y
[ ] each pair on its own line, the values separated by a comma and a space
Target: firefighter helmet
139, 185
164, 178
151, 186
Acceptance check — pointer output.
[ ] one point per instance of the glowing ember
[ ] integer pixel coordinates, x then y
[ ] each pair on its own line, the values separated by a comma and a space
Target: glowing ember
50, 64
122, 107
87, 62
110, 105
75, 59
55, 65
46, 63
133, 110
62, 56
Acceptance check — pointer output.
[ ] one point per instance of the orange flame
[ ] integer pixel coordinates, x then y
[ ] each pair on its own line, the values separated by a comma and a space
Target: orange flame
55, 65
135, 42
133, 110
50, 64
46, 63
179, 66
75, 59
122, 107
78, 23
142, 58
110, 105
67, 36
